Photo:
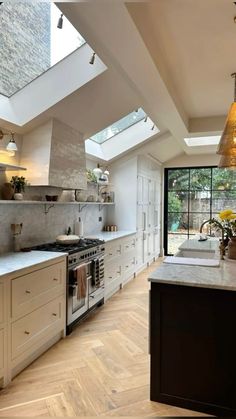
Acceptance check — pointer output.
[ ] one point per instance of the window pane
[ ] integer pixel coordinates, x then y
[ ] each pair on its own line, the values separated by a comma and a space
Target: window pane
178, 223
196, 220
199, 201
178, 179
174, 241
223, 179
222, 200
177, 201
200, 179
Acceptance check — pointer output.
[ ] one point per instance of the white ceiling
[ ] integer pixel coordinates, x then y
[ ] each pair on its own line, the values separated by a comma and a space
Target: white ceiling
172, 58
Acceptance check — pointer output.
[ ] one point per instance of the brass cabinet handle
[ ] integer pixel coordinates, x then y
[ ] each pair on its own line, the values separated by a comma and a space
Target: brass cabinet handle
26, 332
27, 291
110, 277
55, 279
54, 314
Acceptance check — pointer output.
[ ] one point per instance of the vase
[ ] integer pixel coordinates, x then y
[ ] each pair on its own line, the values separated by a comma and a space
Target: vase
18, 196
232, 248
7, 191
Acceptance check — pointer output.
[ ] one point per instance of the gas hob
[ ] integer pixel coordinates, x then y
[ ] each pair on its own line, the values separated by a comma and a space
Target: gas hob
82, 245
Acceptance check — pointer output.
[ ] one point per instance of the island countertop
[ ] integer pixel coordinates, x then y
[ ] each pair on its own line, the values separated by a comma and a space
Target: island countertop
223, 277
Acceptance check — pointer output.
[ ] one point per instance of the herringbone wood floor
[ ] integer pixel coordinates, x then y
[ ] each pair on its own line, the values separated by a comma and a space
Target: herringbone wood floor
101, 369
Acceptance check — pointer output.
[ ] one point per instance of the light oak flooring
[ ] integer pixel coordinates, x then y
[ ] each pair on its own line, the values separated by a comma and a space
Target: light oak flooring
101, 369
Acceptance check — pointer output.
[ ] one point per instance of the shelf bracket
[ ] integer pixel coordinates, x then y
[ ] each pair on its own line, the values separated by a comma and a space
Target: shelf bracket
81, 207
47, 208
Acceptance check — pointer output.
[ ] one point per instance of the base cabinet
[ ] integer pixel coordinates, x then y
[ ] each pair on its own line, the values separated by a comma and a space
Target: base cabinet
192, 338
119, 263
34, 315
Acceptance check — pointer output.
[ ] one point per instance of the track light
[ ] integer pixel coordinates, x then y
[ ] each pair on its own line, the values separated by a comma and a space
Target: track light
60, 22
153, 127
92, 59
146, 118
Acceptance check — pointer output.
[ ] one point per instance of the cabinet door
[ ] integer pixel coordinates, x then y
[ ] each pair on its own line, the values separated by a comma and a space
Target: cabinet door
156, 242
151, 217
151, 191
139, 251
150, 239
139, 189
1, 302
145, 190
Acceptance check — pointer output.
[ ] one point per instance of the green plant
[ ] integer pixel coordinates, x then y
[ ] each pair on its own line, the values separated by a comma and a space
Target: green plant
19, 183
91, 177
174, 209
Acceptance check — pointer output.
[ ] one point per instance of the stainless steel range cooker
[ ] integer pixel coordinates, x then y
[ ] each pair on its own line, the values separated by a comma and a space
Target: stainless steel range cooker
84, 292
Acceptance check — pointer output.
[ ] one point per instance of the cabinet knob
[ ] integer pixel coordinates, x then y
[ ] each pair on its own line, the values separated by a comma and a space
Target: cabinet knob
54, 314
26, 332
55, 279
110, 277
110, 254
27, 291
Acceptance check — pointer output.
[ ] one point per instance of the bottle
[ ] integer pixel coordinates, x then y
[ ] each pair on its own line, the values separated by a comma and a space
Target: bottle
79, 228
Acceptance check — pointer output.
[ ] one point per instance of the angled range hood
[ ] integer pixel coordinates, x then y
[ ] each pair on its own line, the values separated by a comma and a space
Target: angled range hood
54, 155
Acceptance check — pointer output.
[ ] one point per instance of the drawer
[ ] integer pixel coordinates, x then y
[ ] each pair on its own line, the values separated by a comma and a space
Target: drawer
129, 266
1, 349
112, 272
129, 245
30, 329
37, 288
1, 302
112, 250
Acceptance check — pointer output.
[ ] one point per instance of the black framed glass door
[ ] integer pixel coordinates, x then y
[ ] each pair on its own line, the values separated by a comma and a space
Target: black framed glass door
191, 196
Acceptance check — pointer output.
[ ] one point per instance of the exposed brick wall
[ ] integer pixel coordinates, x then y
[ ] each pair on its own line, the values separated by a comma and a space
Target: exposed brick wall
24, 43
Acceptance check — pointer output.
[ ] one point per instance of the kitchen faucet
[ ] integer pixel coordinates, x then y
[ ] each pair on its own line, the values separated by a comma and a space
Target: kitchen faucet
222, 246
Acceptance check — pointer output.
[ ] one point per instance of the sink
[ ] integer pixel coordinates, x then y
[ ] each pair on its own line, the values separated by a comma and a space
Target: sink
196, 254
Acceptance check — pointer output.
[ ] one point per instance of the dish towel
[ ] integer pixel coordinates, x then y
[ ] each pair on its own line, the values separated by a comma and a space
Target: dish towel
80, 275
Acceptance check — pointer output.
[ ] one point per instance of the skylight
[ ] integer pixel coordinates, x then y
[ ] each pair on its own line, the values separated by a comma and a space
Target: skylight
202, 141
119, 126
31, 43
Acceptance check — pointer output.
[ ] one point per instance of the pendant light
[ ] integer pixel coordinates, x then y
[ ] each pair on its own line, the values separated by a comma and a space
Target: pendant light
97, 171
11, 146
227, 145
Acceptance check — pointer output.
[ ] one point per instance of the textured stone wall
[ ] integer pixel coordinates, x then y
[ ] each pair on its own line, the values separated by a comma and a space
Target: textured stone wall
39, 227
25, 43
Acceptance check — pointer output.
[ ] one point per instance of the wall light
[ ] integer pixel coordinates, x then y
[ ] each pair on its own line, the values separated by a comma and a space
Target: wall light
92, 59
11, 146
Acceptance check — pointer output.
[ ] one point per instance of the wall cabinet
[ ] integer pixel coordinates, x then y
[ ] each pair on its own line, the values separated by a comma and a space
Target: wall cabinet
32, 315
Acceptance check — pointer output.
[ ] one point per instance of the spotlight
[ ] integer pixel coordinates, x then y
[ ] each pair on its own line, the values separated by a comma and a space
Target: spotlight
146, 118
60, 22
153, 127
92, 59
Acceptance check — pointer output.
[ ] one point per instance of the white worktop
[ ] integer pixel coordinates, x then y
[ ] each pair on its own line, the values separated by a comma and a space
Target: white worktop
209, 245
12, 262
111, 235
223, 277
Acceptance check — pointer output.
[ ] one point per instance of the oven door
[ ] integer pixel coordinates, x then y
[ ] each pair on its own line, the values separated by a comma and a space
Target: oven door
77, 303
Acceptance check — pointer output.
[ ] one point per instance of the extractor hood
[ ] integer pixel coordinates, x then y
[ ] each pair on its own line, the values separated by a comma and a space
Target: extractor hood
54, 155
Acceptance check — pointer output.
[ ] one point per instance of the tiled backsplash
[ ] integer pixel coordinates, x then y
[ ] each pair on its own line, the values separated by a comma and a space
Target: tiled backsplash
39, 227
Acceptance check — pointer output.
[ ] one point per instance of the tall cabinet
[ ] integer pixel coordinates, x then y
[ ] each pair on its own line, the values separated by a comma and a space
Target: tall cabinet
137, 182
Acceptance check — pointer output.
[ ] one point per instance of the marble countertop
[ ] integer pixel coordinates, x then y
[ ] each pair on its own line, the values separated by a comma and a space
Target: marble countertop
111, 235
12, 262
223, 277
209, 245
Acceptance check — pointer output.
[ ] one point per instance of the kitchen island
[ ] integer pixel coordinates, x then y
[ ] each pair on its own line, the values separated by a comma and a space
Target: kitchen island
192, 337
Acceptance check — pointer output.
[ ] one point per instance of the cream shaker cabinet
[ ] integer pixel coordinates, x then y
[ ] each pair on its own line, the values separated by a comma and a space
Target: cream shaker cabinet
119, 263
33, 316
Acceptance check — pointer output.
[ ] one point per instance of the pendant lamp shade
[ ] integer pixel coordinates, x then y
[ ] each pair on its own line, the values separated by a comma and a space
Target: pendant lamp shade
227, 161
227, 145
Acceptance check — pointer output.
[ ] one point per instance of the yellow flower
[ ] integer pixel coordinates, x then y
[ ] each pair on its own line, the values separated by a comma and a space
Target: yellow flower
226, 214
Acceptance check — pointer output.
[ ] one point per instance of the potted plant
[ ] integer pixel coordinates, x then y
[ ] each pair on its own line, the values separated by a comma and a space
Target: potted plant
18, 183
